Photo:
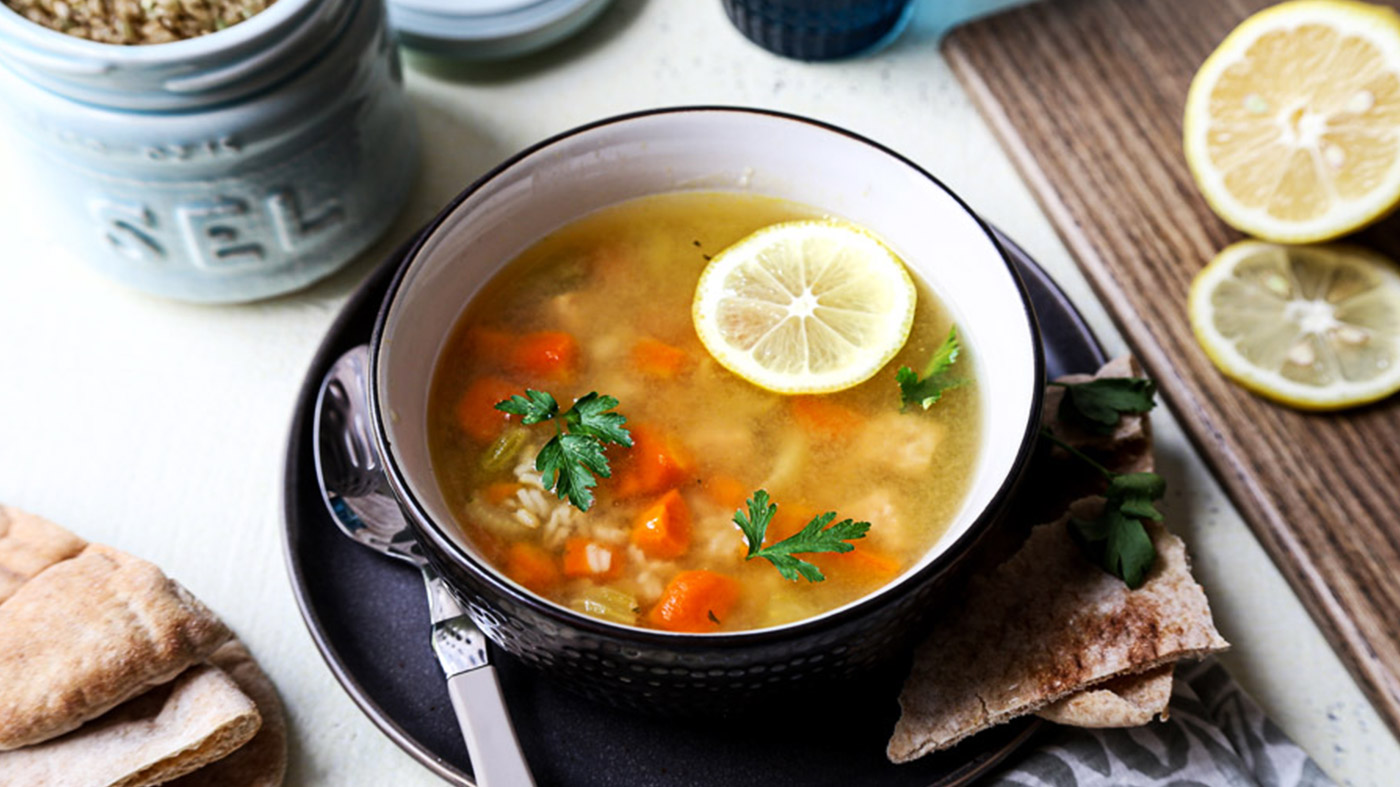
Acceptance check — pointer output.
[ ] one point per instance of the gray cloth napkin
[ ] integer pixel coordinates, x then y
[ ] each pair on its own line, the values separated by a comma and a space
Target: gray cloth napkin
1216, 736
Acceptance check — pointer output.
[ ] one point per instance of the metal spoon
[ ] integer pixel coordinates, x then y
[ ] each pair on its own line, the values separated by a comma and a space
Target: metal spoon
350, 473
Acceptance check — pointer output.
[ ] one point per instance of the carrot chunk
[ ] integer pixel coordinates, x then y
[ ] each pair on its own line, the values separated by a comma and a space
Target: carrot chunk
861, 565
663, 530
791, 517
658, 359
824, 417
499, 492
652, 465
531, 566
476, 410
695, 601
545, 354
587, 558
728, 491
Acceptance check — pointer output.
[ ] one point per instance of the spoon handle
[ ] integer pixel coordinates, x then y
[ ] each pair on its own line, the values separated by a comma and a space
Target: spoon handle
481, 712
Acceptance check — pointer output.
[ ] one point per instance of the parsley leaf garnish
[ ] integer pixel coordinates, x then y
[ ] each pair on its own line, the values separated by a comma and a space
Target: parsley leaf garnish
567, 464
571, 460
1096, 405
533, 407
590, 416
755, 525
1134, 493
1117, 541
925, 390
1119, 544
819, 535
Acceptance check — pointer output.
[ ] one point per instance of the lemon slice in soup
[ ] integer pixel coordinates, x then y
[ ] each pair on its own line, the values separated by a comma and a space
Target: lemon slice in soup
805, 307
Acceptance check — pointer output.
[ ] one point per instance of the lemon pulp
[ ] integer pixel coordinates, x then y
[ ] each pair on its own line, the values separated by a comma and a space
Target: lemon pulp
1316, 327
1292, 126
805, 306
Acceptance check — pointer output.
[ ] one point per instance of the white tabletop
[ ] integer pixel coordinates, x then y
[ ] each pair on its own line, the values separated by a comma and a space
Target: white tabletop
159, 427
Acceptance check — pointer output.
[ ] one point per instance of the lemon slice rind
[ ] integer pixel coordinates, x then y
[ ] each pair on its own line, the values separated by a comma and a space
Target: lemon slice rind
1270, 383
1378, 26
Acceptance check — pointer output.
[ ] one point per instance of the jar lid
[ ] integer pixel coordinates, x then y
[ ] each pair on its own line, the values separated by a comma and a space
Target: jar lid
488, 29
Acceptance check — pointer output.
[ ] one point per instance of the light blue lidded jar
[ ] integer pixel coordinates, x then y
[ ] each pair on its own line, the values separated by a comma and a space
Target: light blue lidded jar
230, 167
483, 30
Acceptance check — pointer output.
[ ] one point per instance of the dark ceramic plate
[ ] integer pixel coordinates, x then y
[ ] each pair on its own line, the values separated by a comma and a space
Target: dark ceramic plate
369, 617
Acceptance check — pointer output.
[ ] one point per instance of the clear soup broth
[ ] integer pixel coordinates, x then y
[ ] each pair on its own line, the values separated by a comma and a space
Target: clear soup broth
604, 304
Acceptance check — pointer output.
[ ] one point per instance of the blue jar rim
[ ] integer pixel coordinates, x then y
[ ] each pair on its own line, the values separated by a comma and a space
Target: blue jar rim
186, 74
444, 28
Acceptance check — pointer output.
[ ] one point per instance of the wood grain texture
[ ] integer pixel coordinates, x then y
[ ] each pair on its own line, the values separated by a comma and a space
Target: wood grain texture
1087, 98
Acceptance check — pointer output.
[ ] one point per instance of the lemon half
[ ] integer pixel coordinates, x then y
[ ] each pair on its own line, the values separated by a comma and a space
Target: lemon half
1292, 125
805, 307
1315, 327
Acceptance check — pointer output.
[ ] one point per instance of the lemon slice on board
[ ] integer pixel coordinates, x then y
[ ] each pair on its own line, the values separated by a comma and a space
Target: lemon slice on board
1315, 327
1292, 126
805, 306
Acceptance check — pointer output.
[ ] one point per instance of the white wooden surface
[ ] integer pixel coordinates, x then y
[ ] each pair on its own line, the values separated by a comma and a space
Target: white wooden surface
159, 427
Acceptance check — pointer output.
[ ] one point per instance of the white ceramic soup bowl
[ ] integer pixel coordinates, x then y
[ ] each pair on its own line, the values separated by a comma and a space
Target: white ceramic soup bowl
703, 149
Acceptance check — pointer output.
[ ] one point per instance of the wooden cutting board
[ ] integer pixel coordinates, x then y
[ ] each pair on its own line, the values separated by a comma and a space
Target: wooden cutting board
1087, 97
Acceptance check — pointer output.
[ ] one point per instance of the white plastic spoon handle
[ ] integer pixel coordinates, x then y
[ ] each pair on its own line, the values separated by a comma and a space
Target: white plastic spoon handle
481, 712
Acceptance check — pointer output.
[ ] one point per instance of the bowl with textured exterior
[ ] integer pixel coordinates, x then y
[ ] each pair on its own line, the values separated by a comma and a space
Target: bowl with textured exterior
703, 149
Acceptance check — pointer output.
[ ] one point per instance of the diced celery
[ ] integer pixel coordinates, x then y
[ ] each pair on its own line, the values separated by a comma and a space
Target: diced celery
607, 603
502, 451
569, 275
561, 274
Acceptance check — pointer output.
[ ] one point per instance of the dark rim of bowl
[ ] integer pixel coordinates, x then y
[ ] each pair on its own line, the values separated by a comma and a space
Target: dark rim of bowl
726, 640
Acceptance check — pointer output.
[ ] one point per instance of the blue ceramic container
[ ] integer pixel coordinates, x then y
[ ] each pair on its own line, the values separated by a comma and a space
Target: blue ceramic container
482, 30
818, 29
230, 167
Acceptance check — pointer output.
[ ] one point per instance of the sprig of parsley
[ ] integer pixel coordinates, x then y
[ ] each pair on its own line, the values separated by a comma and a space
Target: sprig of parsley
925, 390
1117, 541
1096, 405
818, 536
569, 461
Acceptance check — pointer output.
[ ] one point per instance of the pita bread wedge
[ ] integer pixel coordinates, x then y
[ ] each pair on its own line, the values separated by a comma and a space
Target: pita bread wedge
90, 633
1129, 701
1042, 626
1128, 448
29, 544
262, 761
167, 732
1132, 700
1056, 479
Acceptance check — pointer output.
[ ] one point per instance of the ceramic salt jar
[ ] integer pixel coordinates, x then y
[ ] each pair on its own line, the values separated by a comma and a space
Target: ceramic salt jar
229, 167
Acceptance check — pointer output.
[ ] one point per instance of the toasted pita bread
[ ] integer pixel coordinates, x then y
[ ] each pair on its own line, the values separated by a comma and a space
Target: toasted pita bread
1129, 701
1045, 625
1135, 699
165, 733
28, 545
1128, 448
262, 762
89, 633
1050, 487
